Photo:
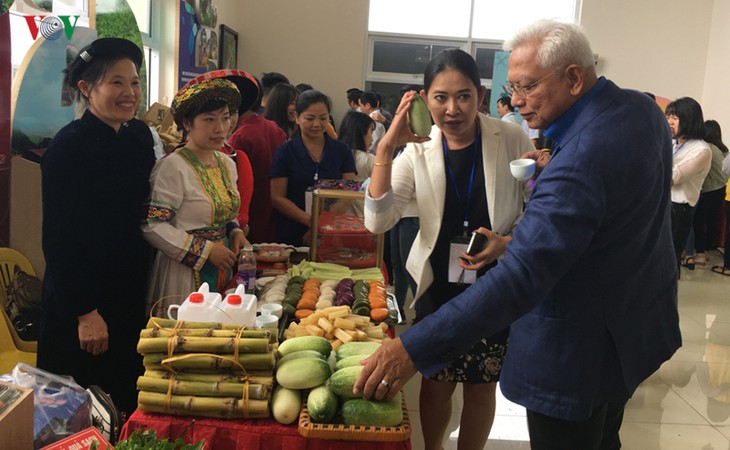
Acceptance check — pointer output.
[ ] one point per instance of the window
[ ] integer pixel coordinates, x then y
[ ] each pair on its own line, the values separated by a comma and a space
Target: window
405, 34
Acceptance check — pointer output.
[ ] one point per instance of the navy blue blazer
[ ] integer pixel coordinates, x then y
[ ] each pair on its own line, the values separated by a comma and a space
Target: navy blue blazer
589, 281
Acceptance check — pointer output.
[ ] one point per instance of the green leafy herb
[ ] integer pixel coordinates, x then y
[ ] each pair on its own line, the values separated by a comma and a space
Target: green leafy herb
148, 441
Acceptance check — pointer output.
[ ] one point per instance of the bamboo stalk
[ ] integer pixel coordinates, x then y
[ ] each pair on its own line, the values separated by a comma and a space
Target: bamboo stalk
198, 344
265, 379
214, 415
198, 388
253, 361
223, 407
171, 323
155, 332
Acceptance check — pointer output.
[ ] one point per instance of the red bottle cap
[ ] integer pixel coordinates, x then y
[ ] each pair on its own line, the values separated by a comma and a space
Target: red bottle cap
234, 299
196, 297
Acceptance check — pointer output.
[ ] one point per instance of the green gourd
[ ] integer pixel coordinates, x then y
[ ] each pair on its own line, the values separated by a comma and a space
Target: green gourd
420, 117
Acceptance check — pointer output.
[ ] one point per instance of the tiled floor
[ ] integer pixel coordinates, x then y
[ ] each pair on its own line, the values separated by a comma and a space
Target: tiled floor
683, 406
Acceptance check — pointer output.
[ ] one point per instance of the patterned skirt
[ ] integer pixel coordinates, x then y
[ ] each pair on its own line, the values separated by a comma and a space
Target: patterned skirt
483, 362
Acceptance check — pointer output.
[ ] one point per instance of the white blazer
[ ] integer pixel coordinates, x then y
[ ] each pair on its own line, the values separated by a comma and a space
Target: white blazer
419, 173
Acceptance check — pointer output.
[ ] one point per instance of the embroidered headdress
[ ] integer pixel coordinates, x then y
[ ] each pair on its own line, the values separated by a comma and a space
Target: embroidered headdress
193, 96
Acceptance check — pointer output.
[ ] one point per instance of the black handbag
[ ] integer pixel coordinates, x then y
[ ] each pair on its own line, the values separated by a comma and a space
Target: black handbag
104, 414
24, 304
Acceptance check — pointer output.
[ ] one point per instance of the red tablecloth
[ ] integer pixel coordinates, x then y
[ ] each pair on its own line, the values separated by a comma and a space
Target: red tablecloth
252, 434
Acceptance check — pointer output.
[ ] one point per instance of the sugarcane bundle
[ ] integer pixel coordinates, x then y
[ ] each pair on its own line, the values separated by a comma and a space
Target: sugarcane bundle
203, 344
263, 378
206, 369
202, 388
207, 363
218, 407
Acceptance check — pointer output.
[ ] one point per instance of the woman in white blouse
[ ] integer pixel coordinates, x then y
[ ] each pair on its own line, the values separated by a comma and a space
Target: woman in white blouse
691, 162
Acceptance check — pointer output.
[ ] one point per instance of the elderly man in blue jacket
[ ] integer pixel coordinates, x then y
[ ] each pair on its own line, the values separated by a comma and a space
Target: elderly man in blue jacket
588, 280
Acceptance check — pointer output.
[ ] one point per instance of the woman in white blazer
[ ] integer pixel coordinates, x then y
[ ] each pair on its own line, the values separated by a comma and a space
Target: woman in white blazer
461, 180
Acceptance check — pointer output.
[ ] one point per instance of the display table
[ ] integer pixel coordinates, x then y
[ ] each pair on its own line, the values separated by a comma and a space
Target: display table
249, 434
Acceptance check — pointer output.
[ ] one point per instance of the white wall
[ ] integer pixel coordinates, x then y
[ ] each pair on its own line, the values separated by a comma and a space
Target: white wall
672, 48
716, 93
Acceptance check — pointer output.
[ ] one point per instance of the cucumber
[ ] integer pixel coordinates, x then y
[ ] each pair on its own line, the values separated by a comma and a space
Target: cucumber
300, 354
303, 373
420, 117
388, 413
354, 348
296, 344
342, 381
350, 361
285, 405
322, 404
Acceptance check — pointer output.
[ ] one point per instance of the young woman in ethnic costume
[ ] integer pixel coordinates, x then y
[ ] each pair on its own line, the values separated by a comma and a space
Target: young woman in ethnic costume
191, 218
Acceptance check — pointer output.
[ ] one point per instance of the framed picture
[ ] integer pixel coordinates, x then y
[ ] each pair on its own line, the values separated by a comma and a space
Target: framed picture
228, 50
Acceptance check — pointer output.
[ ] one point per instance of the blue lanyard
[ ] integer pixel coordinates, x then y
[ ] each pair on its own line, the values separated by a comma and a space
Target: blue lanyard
678, 148
477, 149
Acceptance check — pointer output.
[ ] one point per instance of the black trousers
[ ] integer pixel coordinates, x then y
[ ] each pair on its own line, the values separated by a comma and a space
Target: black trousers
707, 219
599, 432
682, 217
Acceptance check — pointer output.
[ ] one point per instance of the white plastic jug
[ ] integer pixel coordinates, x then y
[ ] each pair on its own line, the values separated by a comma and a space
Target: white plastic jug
200, 306
238, 308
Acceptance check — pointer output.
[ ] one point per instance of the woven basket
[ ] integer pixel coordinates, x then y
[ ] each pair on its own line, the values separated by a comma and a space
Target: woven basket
343, 432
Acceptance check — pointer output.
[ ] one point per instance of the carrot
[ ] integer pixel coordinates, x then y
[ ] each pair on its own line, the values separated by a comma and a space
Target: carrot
379, 314
302, 313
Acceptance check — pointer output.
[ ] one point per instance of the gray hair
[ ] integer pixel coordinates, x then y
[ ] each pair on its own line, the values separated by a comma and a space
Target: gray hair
559, 44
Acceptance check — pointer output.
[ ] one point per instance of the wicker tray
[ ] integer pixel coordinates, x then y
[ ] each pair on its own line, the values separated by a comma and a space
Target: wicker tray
308, 429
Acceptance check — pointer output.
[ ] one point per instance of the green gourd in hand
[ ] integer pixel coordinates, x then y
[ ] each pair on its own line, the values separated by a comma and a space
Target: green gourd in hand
420, 117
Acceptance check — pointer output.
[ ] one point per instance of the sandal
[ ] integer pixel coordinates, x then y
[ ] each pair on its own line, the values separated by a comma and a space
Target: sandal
700, 259
689, 262
721, 270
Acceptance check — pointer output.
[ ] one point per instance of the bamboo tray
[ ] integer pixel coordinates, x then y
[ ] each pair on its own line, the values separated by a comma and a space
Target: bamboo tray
308, 429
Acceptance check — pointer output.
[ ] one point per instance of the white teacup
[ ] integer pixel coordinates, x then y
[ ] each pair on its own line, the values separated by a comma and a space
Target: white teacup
273, 309
267, 321
522, 169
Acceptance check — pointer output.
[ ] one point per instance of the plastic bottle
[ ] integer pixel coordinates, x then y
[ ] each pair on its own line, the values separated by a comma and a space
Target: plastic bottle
192, 309
247, 269
238, 308
200, 306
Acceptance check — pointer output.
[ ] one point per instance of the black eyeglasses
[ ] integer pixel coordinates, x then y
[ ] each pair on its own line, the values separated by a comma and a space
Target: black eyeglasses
523, 91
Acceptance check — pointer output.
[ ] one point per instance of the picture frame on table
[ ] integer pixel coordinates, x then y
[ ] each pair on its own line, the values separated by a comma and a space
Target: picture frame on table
228, 48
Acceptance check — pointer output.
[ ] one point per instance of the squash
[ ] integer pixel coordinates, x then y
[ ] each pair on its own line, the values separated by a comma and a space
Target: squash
387, 413
296, 344
322, 404
303, 373
285, 405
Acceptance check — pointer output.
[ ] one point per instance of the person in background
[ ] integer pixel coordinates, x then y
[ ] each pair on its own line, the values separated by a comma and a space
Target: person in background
97, 167
369, 106
461, 180
532, 133
353, 98
724, 269
356, 131
258, 138
506, 111
268, 81
706, 223
709, 208
191, 218
282, 108
691, 162
580, 342
311, 155
303, 87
